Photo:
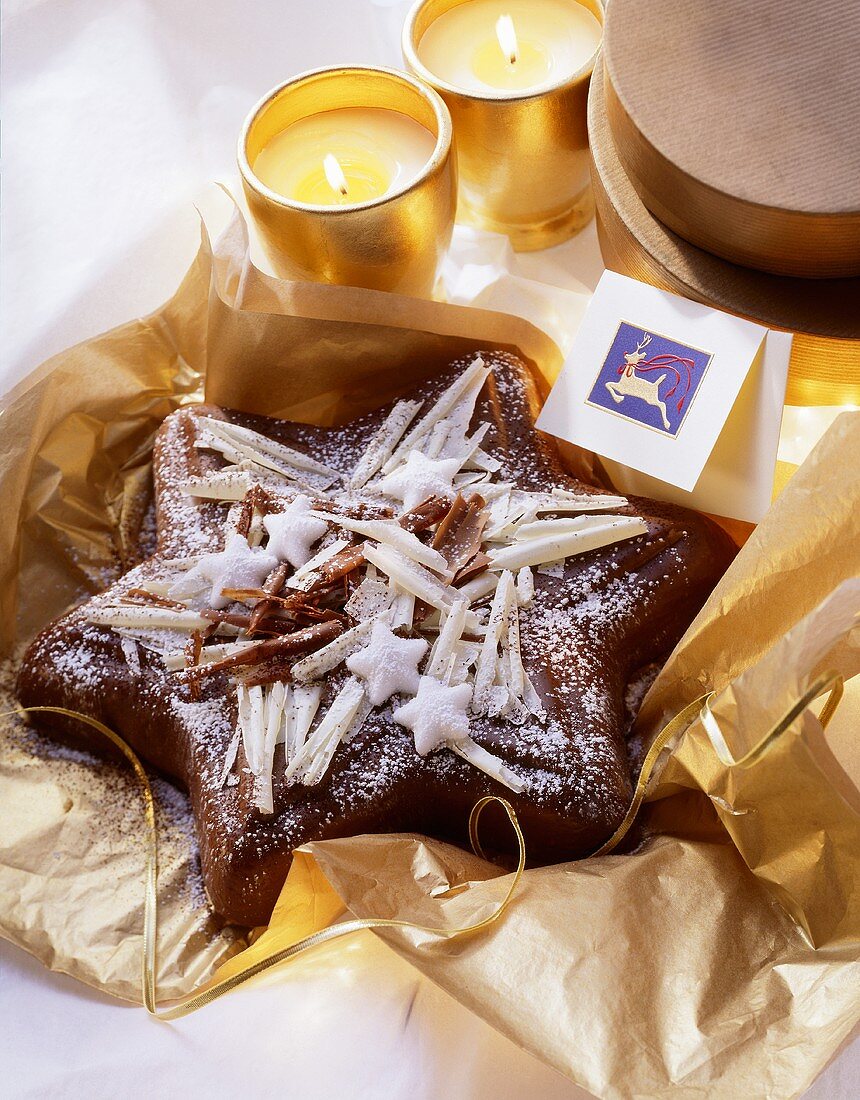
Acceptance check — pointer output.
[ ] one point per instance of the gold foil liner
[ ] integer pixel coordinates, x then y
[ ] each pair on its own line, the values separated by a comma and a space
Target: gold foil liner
685, 967
346, 352
822, 313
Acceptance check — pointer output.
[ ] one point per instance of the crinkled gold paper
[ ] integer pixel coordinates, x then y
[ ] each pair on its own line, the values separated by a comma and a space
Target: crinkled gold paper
686, 968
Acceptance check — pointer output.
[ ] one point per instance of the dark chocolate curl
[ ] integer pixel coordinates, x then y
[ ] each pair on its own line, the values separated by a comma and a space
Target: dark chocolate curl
305, 640
458, 538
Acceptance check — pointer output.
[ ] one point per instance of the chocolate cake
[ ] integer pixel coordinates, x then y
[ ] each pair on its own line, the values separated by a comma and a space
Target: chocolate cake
367, 628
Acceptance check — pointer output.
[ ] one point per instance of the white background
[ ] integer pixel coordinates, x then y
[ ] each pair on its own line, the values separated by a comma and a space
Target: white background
116, 114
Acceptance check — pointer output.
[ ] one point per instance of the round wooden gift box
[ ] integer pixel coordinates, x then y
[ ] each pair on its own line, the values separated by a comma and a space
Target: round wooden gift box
738, 125
823, 314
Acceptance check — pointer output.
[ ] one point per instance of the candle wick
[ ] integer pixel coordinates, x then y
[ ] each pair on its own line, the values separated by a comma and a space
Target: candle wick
507, 36
335, 175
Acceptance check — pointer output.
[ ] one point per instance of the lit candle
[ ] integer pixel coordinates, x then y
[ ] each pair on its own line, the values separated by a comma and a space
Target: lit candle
344, 157
515, 76
510, 45
349, 178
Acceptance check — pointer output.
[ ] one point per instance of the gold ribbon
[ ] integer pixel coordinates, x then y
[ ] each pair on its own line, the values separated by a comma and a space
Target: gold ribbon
150, 913
666, 740
335, 931
700, 710
830, 682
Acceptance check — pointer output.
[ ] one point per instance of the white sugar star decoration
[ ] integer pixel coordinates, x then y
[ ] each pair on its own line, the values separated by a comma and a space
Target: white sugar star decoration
293, 532
238, 565
437, 715
419, 478
388, 664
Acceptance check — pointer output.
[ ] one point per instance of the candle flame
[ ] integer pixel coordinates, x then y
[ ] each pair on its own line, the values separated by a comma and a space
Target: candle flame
507, 36
334, 174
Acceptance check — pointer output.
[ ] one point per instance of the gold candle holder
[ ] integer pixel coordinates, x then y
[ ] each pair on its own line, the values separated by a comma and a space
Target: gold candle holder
522, 157
393, 242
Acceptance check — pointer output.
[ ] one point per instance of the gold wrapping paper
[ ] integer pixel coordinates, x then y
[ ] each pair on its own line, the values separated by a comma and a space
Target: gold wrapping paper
687, 966
324, 354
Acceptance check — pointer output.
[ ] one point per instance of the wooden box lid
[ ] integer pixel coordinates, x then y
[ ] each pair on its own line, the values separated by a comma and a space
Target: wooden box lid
822, 313
738, 124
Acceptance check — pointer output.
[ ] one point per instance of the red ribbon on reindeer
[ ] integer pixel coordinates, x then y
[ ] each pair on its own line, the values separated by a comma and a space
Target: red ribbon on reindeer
637, 362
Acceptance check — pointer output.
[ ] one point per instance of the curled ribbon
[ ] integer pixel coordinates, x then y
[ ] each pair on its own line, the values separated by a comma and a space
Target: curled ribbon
830, 682
150, 912
666, 740
700, 709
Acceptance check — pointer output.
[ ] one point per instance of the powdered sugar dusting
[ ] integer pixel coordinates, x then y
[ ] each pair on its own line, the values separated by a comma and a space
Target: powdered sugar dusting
580, 637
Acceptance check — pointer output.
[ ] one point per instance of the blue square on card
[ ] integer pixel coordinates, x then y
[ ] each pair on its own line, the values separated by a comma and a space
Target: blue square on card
649, 379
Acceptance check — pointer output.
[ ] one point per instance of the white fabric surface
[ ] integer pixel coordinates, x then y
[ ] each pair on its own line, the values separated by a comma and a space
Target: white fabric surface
117, 113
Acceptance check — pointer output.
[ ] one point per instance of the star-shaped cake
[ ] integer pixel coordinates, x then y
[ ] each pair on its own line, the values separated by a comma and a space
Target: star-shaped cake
367, 628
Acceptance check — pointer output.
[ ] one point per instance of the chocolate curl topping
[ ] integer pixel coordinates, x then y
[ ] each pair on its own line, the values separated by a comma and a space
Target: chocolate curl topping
253, 595
336, 568
141, 596
246, 514
231, 618
275, 580
472, 568
243, 525
321, 614
354, 511
270, 624
269, 673
288, 645
273, 585
246, 595
342, 564
425, 515
459, 535
193, 649
256, 498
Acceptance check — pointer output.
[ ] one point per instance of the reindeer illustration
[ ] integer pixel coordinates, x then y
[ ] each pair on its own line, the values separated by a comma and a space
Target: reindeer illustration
632, 384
